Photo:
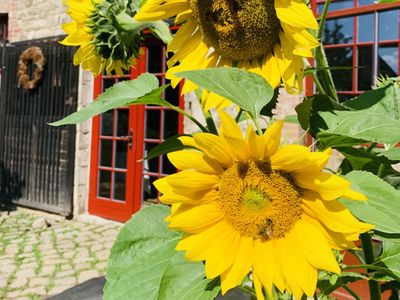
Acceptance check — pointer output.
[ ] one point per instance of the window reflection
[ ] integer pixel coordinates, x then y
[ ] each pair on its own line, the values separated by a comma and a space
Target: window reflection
366, 28
341, 57
388, 60
364, 81
389, 25
339, 31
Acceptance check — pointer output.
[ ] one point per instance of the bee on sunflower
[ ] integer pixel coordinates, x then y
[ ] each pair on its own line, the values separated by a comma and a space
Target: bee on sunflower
270, 38
251, 204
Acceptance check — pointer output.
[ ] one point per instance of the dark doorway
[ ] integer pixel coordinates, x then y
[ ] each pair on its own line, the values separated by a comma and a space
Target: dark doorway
37, 160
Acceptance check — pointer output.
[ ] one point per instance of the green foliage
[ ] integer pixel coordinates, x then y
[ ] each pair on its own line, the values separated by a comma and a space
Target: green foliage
248, 90
383, 205
390, 256
362, 159
329, 282
143, 263
169, 145
143, 90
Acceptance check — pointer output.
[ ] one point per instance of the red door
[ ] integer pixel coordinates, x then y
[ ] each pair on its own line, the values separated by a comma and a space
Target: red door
120, 183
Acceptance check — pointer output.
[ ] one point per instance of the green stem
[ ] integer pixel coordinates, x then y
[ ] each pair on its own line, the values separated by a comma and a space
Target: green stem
380, 170
372, 267
314, 76
247, 290
210, 123
371, 147
367, 246
259, 130
189, 116
239, 114
351, 292
322, 62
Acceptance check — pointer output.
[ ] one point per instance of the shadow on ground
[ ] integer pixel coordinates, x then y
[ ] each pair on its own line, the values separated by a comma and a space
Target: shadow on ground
93, 290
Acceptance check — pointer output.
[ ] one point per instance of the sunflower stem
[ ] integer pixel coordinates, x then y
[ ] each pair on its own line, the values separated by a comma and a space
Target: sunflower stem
351, 292
210, 123
367, 246
380, 170
320, 57
373, 267
247, 290
314, 76
239, 114
189, 116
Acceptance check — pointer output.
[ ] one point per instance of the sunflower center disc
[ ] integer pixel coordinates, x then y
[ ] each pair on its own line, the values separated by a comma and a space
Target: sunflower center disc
238, 29
259, 202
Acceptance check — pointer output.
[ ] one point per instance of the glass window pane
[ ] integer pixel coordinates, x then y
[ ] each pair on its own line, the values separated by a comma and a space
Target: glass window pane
104, 184
366, 2
107, 123
388, 60
153, 118
389, 25
167, 167
366, 28
150, 166
107, 83
149, 191
341, 4
154, 59
121, 154
119, 186
172, 95
106, 153
341, 57
339, 31
364, 81
170, 123
122, 122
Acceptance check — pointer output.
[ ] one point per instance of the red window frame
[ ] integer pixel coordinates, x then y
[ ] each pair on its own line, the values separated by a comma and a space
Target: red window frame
123, 210
355, 11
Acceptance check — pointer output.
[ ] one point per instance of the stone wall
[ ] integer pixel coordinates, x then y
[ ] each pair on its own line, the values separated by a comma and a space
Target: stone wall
33, 19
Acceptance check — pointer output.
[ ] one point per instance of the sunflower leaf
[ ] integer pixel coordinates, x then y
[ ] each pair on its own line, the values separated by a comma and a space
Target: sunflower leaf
383, 205
143, 90
169, 145
248, 90
390, 256
143, 263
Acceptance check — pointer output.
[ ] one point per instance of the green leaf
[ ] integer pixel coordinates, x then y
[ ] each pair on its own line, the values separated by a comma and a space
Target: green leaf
327, 139
393, 154
248, 90
385, 100
143, 90
387, 1
363, 125
169, 145
390, 256
267, 109
383, 206
307, 112
143, 263
291, 119
329, 282
360, 159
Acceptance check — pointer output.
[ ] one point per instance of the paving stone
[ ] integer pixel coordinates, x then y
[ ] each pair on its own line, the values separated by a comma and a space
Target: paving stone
3, 282
47, 270
19, 282
103, 255
86, 275
101, 265
29, 265
65, 281
38, 290
39, 281
58, 289
25, 273
69, 254
13, 294
82, 266
66, 273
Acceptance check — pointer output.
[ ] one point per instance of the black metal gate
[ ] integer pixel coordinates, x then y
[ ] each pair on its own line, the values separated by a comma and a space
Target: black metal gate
37, 160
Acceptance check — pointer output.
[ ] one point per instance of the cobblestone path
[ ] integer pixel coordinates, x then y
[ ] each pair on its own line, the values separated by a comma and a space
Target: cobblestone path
38, 262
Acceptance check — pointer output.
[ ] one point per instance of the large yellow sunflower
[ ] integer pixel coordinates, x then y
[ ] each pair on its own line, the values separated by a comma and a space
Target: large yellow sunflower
267, 37
100, 46
249, 204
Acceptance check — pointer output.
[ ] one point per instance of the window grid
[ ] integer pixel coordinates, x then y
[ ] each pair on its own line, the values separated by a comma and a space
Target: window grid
359, 47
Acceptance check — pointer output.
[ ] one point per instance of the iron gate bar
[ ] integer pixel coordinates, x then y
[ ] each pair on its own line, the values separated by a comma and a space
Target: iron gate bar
40, 157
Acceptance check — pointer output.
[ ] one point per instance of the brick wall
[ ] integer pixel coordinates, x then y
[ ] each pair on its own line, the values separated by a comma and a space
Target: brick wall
33, 19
